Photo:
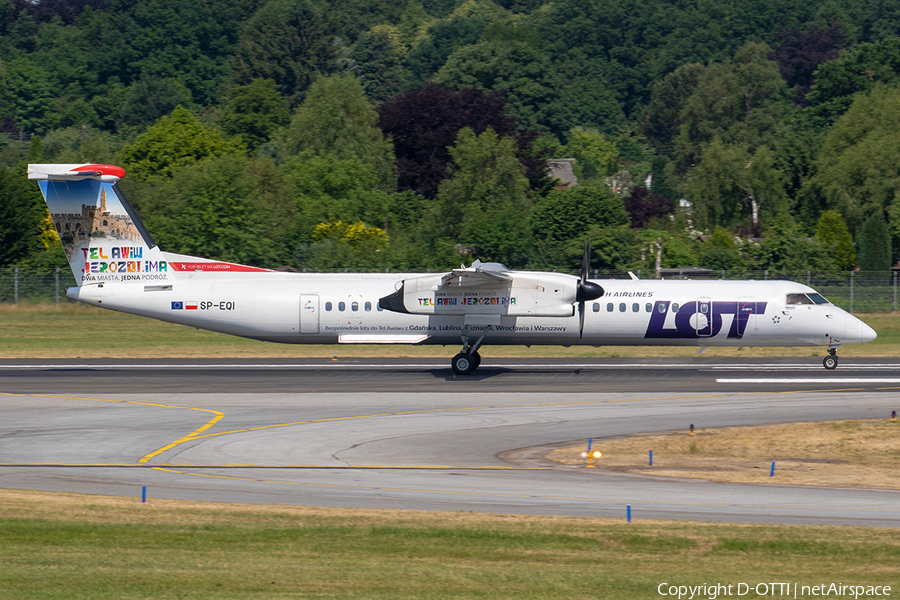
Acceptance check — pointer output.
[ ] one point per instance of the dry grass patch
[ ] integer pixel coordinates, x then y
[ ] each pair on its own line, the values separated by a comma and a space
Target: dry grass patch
860, 454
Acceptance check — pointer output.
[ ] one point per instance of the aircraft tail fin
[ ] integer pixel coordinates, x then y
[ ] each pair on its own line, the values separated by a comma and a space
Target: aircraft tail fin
103, 238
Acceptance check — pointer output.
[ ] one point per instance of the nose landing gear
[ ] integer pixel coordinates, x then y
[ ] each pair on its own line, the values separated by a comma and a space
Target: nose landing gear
830, 362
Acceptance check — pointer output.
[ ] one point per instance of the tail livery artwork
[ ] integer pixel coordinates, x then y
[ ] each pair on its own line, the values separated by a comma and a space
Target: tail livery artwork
118, 266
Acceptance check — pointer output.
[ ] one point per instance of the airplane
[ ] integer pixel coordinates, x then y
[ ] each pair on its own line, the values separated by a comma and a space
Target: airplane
118, 266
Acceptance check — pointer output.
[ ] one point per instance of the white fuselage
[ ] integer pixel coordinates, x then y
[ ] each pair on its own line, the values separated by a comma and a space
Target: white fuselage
343, 308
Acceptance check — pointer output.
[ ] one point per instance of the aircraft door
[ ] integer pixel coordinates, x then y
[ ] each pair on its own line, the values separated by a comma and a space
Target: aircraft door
746, 316
702, 319
309, 313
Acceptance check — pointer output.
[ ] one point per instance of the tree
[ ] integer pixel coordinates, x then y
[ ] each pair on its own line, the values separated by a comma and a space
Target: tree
378, 56
226, 207
483, 205
644, 206
858, 166
874, 244
835, 239
336, 118
595, 156
172, 142
858, 69
563, 219
731, 181
424, 123
254, 111
521, 71
719, 251
740, 102
22, 210
146, 100
800, 53
284, 41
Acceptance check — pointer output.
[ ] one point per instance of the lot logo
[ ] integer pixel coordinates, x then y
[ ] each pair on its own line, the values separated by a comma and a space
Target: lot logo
701, 326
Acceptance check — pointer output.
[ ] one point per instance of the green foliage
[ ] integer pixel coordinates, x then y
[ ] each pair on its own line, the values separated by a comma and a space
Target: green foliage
596, 157
859, 163
483, 205
719, 251
175, 141
874, 244
740, 102
283, 41
22, 211
693, 97
337, 119
226, 207
835, 239
564, 218
731, 183
254, 111
522, 71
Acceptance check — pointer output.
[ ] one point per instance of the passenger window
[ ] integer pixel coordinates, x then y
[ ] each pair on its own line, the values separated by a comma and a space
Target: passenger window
596, 307
378, 306
354, 307
648, 307
704, 307
368, 306
674, 307
622, 307
341, 306
328, 307
661, 307
635, 307
609, 307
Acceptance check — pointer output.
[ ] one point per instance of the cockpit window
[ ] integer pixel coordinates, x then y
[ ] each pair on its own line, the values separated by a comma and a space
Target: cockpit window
798, 299
812, 298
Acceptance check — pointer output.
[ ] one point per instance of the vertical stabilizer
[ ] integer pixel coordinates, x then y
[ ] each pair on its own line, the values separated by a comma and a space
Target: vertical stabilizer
103, 238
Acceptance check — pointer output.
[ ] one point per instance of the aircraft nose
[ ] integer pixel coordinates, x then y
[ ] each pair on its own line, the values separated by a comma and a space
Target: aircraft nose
866, 333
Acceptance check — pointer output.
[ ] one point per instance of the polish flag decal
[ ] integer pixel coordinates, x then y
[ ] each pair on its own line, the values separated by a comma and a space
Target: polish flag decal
190, 306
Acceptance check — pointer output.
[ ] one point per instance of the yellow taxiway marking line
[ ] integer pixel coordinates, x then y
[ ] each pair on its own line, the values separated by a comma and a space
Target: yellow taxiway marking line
496, 495
253, 466
188, 437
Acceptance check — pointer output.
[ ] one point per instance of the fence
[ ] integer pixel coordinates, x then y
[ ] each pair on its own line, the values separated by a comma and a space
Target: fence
855, 291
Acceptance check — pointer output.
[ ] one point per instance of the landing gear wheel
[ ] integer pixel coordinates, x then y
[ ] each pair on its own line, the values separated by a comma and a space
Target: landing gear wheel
477, 358
830, 362
463, 363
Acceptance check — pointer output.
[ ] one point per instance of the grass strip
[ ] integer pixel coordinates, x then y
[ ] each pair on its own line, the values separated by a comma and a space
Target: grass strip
73, 546
81, 331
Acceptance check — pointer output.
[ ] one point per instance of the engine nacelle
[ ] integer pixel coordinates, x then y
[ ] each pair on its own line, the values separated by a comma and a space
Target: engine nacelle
525, 294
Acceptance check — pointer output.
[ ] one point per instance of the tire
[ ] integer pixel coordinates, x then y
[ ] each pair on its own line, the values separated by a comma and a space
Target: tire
463, 364
830, 362
477, 358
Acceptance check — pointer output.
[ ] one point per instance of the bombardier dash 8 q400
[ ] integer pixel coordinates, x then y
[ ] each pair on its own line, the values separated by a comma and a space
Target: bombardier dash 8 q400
118, 266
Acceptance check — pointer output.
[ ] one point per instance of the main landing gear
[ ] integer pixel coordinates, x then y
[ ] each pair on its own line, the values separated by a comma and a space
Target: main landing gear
830, 362
468, 359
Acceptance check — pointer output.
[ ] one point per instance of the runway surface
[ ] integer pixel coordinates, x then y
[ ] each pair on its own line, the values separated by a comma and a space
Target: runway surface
408, 434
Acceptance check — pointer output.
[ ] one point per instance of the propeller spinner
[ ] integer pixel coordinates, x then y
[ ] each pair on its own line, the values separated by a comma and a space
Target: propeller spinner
587, 290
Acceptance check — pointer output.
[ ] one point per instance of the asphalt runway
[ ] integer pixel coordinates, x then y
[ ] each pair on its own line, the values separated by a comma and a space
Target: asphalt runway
408, 434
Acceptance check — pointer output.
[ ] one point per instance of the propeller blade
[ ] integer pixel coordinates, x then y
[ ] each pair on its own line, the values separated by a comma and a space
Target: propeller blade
586, 261
581, 319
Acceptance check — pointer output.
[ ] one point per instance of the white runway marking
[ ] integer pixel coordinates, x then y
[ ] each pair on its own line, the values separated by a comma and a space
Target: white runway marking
810, 380
347, 363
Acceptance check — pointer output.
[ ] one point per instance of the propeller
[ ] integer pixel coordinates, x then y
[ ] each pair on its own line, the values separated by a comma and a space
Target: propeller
587, 290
